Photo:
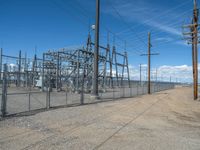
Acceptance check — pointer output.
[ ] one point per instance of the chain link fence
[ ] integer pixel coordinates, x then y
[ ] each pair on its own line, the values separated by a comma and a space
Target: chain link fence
26, 99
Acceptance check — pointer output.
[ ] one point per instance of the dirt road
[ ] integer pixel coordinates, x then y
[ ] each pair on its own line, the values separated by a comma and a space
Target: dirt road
168, 120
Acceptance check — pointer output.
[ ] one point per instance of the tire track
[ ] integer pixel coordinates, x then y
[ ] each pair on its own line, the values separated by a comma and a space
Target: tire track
125, 125
76, 128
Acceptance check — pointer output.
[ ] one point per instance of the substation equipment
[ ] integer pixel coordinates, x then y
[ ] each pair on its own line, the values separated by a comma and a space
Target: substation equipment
68, 69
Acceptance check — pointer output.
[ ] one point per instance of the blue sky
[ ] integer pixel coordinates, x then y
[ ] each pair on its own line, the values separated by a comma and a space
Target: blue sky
52, 24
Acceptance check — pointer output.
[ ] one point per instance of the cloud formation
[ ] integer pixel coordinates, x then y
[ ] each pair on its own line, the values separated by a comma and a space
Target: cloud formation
146, 14
182, 73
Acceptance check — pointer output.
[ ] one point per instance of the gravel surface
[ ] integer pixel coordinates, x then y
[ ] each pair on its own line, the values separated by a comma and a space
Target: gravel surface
168, 120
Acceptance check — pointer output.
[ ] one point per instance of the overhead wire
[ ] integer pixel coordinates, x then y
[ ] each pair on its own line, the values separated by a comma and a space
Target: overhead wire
105, 27
160, 15
167, 23
86, 23
137, 37
122, 19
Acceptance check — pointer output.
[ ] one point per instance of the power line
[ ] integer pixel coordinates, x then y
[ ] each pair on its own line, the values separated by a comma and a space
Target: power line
102, 25
117, 12
160, 15
168, 24
155, 32
68, 12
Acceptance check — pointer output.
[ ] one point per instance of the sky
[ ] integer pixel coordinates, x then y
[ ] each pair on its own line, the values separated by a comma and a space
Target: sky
52, 24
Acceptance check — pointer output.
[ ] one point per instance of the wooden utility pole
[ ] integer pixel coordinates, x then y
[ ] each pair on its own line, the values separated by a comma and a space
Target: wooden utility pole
96, 52
156, 74
149, 61
195, 42
140, 74
192, 38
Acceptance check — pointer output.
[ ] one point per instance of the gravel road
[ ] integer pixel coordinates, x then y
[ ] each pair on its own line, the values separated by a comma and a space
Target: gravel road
168, 120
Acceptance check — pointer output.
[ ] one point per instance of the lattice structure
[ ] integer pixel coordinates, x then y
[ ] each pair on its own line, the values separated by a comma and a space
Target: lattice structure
69, 68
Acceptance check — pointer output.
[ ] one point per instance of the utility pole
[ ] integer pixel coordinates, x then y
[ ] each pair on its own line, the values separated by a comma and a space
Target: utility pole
156, 74
195, 42
19, 69
96, 52
192, 38
140, 74
1, 61
149, 61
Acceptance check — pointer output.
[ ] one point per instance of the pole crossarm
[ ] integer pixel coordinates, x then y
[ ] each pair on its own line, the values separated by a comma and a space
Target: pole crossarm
150, 54
189, 33
190, 25
192, 38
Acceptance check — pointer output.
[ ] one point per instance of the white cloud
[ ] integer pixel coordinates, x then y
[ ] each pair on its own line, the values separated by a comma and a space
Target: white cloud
182, 43
164, 27
143, 65
181, 73
145, 13
163, 39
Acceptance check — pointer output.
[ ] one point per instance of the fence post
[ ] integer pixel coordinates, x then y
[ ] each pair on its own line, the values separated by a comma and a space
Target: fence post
48, 98
66, 96
157, 86
29, 101
4, 91
143, 89
29, 97
123, 91
113, 92
82, 93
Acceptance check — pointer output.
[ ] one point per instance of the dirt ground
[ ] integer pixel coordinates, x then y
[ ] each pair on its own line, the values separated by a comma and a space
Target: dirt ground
168, 120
